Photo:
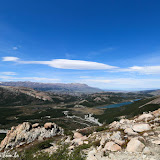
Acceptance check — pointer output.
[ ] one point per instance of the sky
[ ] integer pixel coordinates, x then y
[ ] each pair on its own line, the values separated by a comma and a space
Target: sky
109, 44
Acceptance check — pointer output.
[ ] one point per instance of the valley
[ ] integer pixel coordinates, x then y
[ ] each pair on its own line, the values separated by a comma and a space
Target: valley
87, 113
19, 104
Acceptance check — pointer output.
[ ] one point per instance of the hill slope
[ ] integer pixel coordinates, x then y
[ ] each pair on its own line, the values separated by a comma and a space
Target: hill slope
21, 96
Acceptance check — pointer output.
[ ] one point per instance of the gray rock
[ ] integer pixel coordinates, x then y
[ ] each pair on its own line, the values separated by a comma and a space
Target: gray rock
24, 134
141, 127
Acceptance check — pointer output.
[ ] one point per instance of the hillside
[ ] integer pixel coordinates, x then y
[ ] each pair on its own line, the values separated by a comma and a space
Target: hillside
155, 92
20, 96
55, 87
137, 138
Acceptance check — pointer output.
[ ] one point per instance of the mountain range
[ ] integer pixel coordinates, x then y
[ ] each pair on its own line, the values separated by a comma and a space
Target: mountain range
54, 87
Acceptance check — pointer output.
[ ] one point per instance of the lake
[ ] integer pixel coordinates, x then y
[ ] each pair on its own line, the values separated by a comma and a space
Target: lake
119, 104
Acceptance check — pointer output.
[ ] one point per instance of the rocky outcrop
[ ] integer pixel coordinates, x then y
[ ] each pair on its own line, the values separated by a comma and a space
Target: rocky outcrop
111, 146
26, 133
141, 127
134, 145
137, 138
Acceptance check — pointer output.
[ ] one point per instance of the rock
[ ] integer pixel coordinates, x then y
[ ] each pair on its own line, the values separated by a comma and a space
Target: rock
111, 146
151, 133
92, 155
145, 134
49, 125
140, 138
116, 135
156, 113
85, 142
77, 141
134, 145
156, 142
71, 147
145, 117
68, 139
104, 138
96, 155
147, 151
130, 132
141, 127
23, 134
77, 135
35, 125
119, 142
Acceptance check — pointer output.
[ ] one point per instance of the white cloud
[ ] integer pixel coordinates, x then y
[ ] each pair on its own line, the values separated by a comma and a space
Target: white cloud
87, 65
66, 64
10, 59
122, 83
33, 79
8, 73
78, 64
15, 48
139, 69
146, 69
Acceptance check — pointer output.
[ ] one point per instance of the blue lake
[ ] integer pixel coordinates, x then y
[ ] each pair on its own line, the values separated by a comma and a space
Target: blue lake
119, 104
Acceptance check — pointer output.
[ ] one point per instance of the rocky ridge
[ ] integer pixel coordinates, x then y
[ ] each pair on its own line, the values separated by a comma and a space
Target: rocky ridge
137, 138
26, 133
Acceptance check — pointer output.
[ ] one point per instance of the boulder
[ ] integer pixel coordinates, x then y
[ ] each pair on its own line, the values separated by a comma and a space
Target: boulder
156, 142
111, 146
145, 117
77, 135
146, 150
95, 155
130, 132
119, 142
77, 141
141, 127
134, 145
156, 113
35, 125
145, 134
49, 125
116, 135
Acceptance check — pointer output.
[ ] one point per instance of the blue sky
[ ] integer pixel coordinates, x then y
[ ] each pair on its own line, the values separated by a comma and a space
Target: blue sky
110, 44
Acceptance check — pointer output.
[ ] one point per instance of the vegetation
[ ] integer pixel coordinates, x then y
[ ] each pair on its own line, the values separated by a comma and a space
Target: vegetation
112, 114
62, 153
2, 136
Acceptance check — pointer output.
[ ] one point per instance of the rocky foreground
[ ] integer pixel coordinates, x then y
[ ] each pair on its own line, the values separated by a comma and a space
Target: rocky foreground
26, 133
127, 139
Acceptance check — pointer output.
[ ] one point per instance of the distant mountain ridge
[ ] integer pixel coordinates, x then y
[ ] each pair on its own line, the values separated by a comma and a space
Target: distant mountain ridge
54, 87
154, 92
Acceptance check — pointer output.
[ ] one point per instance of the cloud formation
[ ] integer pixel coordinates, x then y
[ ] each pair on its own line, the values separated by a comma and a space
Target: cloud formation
123, 83
87, 65
33, 79
146, 69
65, 64
8, 73
14, 59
